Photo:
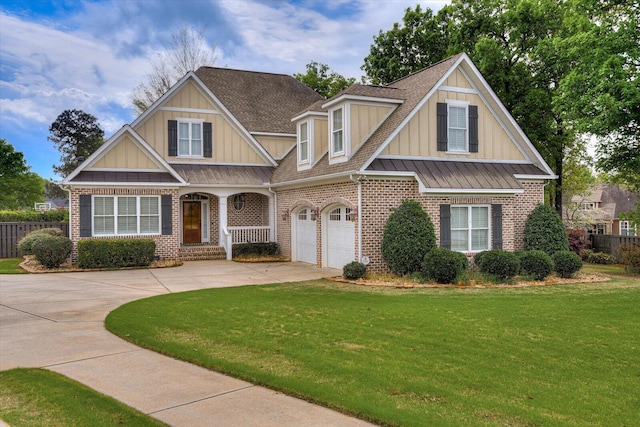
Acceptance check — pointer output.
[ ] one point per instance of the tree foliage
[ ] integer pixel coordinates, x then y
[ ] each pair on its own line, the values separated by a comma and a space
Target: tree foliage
544, 231
76, 134
19, 187
324, 81
187, 51
559, 68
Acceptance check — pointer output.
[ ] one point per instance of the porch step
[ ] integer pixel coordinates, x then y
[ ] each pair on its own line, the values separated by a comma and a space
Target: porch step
201, 252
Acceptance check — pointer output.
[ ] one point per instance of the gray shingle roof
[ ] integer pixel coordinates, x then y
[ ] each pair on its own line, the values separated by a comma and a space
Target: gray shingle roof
412, 89
261, 102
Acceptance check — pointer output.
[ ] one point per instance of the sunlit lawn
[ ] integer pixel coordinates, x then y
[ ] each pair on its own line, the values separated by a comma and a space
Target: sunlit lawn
10, 266
36, 397
557, 355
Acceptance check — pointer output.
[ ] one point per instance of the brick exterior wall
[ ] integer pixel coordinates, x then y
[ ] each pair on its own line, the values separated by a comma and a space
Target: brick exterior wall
166, 246
379, 196
322, 197
254, 214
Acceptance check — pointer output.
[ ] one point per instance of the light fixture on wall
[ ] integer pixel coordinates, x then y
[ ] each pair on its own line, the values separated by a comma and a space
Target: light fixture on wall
315, 212
285, 214
353, 214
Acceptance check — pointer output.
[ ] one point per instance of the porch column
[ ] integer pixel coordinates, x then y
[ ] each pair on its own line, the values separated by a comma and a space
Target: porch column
272, 216
222, 222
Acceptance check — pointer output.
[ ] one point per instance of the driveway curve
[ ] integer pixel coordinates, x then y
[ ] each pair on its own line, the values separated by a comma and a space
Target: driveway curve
56, 321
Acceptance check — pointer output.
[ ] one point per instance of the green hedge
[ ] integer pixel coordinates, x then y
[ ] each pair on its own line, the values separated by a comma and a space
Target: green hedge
268, 248
536, 264
115, 253
26, 243
444, 265
502, 264
567, 263
51, 251
59, 215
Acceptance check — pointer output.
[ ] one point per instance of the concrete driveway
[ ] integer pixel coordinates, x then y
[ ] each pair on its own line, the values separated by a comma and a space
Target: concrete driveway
55, 321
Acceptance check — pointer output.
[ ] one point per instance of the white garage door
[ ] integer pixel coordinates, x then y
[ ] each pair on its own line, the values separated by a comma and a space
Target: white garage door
340, 238
305, 237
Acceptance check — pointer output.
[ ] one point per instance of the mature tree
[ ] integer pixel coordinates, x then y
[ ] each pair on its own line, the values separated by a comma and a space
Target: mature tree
187, 51
76, 134
511, 42
324, 81
54, 191
19, 188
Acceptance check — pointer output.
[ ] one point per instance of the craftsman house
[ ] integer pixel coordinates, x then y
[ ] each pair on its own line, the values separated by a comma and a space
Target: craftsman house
229, 156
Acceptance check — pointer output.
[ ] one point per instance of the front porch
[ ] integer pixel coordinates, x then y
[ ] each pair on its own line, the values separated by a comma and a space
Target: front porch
213, 220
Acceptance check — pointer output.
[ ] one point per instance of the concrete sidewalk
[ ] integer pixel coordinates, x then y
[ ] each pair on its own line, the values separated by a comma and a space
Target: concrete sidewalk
55, 321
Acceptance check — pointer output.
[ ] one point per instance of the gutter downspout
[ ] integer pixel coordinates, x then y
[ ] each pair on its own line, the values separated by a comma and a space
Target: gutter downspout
357, 181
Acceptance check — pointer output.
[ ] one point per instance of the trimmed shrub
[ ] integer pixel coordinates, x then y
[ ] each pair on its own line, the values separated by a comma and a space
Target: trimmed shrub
586, 253
544, 231
502, 264
58, 215
51, 251
268, 248
354, 270
630, 256
443, 265
408, 237
536, 264
477, 258
578, 240
115, 253
25, 244
567, 263
600, 258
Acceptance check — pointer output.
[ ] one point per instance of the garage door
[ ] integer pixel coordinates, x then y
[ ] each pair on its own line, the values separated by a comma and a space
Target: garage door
305, 249
340, 238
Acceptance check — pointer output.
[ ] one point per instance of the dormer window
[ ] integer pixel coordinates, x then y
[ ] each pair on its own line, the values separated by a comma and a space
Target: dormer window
457, 127
303, 142
337, 134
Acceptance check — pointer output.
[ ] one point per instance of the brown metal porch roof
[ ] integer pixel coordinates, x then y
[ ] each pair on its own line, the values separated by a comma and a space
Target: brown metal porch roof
224, 174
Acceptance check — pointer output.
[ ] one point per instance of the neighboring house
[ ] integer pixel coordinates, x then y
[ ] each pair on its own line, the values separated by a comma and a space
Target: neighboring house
600, 210
230, 156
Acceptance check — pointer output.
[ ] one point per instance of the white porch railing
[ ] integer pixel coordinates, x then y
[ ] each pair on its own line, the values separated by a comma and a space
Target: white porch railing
260, 234
226, 242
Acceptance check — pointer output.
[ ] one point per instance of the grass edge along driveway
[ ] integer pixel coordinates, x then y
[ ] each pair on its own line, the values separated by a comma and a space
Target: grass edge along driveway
557, 355
37, 397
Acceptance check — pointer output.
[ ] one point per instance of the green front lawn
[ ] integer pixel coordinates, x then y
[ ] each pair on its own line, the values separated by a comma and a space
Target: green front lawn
11, 266
558, 355
36, 397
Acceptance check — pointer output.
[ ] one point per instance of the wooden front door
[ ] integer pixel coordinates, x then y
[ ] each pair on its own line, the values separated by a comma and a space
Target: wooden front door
191, 222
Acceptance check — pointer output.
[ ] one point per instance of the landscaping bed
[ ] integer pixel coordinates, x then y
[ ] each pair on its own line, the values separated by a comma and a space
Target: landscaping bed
31, 265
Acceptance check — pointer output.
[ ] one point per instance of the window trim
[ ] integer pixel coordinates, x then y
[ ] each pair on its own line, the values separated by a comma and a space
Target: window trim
191, 122
342, 155
309, 141
115, 215
470, 228
465, 106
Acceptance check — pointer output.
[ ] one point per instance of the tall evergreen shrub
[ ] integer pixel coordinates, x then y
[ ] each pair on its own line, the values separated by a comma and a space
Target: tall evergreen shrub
408, 237
544, 231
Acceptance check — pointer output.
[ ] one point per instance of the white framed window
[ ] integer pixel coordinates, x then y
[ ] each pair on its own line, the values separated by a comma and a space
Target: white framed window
588, 206
302, 215
469, 228
126, 215
239, 201
190, 138
337, 132
303, 142
457, 127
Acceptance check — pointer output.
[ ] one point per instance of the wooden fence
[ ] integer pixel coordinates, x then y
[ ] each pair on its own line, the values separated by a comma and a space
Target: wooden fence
12, 232
611, 243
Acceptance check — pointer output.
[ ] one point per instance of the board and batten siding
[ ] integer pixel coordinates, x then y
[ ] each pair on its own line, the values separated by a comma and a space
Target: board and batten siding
190, 96
321, 137
419, 136
276, 146
125, 154
228, 145
364, 118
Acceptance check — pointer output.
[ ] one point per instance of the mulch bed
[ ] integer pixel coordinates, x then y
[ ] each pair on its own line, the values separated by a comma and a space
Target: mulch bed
32, 266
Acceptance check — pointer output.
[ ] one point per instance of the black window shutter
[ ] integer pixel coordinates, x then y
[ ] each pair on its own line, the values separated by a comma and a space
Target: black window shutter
167, 210
173, 138
473, 128
442, 126
445, 226
207, 149
496, 224
85, 215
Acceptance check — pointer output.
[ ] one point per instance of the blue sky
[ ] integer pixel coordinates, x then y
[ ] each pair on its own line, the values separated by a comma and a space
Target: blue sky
90, 55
